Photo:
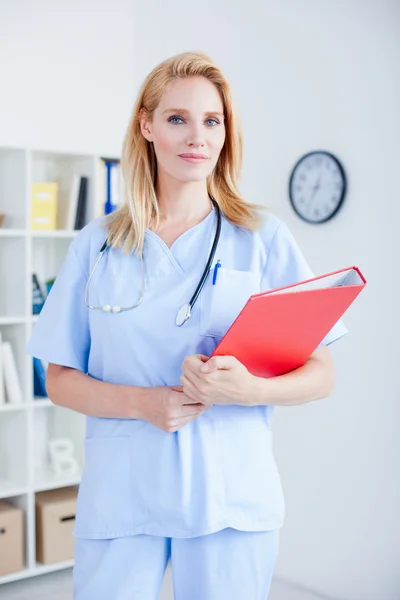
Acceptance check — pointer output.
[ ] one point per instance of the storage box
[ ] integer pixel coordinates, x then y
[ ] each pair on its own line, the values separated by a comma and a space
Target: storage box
11, 538
55, 519
44, 205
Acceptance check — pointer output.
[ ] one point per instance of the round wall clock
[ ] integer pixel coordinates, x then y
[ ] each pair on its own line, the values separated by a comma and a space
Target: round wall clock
317, 186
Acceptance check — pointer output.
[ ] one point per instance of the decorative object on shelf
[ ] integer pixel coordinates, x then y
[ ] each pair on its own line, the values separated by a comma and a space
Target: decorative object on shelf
2, 219
62, 459
11, 538
113, 184
10, 373
38, 296
55, 519
49, 283
39, 378
44, 206
2, 388
317, 186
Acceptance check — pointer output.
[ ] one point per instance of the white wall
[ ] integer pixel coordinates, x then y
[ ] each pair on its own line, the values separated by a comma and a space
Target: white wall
66, 74
305, 75
310, 75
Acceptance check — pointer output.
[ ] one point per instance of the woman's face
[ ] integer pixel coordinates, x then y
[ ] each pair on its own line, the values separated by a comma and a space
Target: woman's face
188, 121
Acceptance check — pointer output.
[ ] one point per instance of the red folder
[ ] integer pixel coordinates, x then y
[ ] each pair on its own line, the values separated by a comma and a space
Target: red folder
278, 330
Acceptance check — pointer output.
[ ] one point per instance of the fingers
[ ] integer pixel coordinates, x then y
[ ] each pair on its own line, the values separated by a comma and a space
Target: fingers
192, 364
180, 398
189, 410
190, 418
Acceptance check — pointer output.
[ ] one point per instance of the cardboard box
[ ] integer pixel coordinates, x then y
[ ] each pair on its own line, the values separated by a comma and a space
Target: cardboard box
55, 519
44, 205
11, 538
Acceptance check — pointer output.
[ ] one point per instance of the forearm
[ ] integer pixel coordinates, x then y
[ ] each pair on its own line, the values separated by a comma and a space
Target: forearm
73, 389
312, 381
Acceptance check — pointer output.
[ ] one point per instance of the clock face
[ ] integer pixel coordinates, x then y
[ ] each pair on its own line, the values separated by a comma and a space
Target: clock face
317, 186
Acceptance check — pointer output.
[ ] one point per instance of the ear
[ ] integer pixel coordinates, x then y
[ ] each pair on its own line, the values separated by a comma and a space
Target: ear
145, 125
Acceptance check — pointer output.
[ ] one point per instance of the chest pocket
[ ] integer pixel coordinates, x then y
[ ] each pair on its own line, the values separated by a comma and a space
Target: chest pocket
221, 303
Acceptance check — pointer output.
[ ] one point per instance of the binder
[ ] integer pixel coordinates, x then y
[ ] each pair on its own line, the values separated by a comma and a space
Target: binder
80, 216
278, 330
39, 378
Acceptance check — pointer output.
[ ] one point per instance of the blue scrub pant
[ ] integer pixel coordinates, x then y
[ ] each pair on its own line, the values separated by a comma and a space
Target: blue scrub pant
231, 564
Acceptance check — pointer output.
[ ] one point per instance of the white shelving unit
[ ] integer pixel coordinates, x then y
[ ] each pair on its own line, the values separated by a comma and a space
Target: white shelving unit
25, 429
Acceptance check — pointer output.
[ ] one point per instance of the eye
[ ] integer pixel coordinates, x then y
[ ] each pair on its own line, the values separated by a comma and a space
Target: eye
171, 119
213, 121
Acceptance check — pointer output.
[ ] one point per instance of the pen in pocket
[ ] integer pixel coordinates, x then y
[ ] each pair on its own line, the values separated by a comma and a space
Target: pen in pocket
217, 266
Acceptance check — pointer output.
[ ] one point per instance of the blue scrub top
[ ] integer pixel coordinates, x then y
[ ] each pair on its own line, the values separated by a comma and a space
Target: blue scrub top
217, 471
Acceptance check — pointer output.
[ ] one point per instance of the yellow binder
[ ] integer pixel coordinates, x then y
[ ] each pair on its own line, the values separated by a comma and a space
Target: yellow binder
44, 205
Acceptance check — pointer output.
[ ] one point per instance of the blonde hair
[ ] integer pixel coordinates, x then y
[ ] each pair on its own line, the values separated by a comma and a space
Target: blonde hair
126, 226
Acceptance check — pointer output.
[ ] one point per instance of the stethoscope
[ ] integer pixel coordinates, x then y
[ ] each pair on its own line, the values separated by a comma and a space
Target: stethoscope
184, 313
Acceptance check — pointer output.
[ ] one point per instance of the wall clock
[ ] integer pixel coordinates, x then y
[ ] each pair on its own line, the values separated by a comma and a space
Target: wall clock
317, 186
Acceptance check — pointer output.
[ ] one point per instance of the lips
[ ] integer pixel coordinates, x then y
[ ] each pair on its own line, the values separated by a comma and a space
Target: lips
195, 156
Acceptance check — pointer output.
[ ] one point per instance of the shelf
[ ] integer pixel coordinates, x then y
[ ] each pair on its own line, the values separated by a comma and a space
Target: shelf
40, 402
7, 407
13, 320
26, 428
45, 479
13, 232
10, 488
57, 233
40, 569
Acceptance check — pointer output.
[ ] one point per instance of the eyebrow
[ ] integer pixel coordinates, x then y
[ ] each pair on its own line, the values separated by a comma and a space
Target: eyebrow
186, 112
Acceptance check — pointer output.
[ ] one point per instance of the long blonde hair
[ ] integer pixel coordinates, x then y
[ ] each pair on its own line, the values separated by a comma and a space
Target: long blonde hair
127, 225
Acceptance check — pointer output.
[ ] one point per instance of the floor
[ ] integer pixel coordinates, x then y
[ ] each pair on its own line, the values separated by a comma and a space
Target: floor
58, 586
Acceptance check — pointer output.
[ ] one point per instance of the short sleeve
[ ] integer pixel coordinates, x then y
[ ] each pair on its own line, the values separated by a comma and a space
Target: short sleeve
287, 265
61, 334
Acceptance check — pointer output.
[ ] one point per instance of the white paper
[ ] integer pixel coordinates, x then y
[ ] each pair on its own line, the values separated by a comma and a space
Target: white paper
2, 389
11, 379
342, 279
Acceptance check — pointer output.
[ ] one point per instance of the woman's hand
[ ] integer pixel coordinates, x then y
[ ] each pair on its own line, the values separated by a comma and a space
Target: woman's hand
169, 409
218, 380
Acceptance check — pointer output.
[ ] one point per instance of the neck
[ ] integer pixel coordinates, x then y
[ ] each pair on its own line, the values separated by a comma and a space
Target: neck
183, 202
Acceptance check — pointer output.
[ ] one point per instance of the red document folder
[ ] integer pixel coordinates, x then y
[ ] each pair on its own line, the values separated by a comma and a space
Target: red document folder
278, 330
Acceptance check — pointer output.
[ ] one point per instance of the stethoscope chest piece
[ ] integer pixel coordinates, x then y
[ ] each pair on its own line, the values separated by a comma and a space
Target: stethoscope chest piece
183, 315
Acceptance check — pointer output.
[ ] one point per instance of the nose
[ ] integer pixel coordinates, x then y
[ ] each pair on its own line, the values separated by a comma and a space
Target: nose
195, 137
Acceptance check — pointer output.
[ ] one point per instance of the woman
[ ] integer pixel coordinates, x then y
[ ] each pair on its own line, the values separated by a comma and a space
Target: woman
179, 459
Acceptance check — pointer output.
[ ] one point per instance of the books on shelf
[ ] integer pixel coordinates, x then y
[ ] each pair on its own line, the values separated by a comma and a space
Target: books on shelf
44, 205
76, 216
39, 378
10, 375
